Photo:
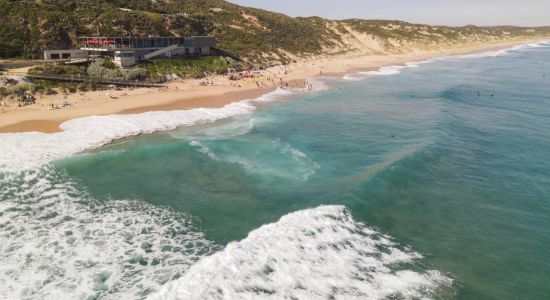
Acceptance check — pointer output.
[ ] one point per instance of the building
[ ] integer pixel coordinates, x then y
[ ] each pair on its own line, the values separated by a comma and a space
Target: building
126, 51
125, 58
66, 54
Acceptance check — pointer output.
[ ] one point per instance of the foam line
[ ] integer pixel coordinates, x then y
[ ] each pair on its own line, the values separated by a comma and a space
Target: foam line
397, 69
22, 151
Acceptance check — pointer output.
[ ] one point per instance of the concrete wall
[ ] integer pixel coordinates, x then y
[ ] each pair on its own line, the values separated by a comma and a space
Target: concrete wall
125, 58
124, 62
65, 54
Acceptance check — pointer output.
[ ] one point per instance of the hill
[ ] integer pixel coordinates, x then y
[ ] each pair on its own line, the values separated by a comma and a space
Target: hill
258, 36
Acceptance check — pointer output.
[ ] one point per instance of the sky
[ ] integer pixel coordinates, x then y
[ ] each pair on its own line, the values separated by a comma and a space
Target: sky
434, 12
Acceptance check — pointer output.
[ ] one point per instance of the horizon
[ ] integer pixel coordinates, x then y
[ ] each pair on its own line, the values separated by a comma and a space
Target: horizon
530, 13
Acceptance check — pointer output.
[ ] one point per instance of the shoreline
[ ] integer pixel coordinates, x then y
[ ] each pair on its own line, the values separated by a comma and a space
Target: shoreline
188, 94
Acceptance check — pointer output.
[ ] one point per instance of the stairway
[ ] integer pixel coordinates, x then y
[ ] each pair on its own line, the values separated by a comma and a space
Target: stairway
160, 52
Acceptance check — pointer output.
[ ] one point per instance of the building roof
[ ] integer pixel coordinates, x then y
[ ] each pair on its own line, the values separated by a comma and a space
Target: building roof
129, 42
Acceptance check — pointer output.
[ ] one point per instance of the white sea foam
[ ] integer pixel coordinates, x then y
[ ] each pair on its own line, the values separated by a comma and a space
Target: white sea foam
481, 54
383, 71
307, 167
204, 150
286, 162
318, 84
386, 70
498, 52
397, 69
22, 151
232, 128
351, 77
58, 243
320, 253
537, 45
273, 96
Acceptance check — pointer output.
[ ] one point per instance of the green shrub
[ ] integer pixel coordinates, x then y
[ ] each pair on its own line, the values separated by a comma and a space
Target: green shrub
56, 69
135, 74
194, 67
100, 68
109, 64
96, 68
20, 89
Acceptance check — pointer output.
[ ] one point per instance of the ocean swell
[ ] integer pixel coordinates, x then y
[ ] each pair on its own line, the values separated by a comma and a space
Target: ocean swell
320, 253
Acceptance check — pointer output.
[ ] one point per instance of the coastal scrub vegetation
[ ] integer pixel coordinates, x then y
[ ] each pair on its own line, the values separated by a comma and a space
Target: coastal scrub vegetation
155, 70
57, 69
106, 69
193, 67
27, 27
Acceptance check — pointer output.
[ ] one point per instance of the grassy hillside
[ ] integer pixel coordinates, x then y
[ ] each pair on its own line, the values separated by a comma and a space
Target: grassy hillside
29, 26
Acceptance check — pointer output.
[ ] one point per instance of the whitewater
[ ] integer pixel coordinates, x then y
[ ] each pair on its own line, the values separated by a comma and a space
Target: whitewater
59, 241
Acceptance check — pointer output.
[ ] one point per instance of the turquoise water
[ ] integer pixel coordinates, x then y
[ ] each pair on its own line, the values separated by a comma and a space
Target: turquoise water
449, 160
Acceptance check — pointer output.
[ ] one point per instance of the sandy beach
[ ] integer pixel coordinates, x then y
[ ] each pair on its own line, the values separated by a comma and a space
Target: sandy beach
188, 94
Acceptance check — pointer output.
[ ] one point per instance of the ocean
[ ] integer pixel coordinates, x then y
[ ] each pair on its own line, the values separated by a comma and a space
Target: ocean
429, 180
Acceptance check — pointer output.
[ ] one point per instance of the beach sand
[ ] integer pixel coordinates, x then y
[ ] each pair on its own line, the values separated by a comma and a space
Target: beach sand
188, 94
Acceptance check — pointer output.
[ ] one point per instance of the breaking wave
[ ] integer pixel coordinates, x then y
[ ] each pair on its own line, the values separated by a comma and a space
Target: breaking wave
58, 243
387, 70
320, 253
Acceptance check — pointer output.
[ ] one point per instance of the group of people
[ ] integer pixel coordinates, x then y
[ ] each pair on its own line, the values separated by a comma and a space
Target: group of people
309, 86
479, 94
207, 81
56, 106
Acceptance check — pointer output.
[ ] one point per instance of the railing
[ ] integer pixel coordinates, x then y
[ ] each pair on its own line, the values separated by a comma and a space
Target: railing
99, 48
76, 78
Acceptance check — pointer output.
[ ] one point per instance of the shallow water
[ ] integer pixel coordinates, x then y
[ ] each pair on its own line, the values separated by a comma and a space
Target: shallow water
405, 185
